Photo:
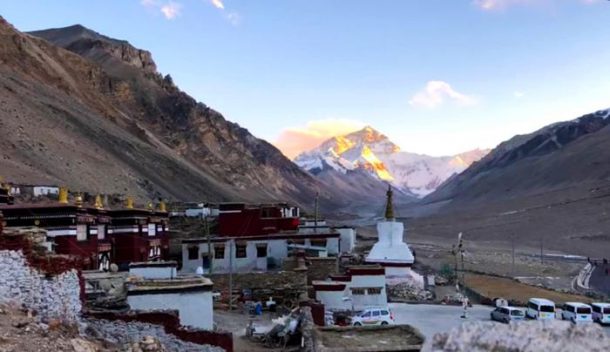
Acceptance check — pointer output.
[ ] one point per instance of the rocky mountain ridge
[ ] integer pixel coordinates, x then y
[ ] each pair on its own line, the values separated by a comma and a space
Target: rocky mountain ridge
370, 150
88, 111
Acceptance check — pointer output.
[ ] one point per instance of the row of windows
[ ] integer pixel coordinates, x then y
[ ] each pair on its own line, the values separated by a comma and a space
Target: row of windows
82, 231
366, 290
219, 251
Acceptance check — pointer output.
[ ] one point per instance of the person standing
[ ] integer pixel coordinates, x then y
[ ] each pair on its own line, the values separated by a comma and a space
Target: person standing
465, 304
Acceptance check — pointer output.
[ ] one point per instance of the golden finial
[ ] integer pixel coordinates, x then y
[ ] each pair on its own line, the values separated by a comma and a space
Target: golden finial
129, 203
63, 195
162, 206
79, 201
150, 206
99, 203
389, 209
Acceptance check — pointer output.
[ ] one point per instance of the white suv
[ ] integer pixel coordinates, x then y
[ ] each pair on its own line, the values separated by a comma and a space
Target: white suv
373, 316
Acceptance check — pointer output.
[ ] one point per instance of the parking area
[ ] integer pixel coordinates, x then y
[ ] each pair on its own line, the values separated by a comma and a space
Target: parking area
431, 319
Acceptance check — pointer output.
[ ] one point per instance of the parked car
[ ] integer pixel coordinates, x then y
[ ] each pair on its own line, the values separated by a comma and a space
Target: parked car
507, 314
576, 312
601, 312
540, 308
373, 316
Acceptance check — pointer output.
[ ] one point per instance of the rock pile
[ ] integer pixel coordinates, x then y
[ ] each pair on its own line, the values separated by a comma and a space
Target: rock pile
409, 291
124, 334
523, 337
51, 297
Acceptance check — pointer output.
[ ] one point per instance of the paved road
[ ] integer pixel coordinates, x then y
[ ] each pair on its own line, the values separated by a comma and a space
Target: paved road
599, 280
431, 319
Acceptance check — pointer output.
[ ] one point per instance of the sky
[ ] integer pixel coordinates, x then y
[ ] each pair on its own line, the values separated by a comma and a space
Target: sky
438, 77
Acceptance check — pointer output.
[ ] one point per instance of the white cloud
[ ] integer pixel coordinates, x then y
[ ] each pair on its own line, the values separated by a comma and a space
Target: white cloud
292, 141
518, 94
171, 10
218, 4
437, 93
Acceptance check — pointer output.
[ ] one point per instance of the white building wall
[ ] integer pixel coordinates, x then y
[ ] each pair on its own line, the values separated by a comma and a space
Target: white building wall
195, 308
44, 190
154, 272
334, 300
362, 301
348, 239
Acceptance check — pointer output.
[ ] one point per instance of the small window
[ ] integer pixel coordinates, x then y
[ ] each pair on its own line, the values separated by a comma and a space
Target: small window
375, 313
101, 232
357, 291
318, 243
240, 251
366, 315
607, 310
219, 252
81, 232
261, 250
152, 230
516, 313
547, 309
374, 290
385, 312
596, 309
583, 310
193, 253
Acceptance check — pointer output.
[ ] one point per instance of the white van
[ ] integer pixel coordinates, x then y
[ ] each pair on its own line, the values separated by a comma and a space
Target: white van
601, 312
576, 312
540, 308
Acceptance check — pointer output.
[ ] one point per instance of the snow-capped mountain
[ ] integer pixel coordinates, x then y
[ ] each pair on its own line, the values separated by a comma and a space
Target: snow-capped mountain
372, 151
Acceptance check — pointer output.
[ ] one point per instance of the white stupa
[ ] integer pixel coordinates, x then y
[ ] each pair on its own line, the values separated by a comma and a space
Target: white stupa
391, 251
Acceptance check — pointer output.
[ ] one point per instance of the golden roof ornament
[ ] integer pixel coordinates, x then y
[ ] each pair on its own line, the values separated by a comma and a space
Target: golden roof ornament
162, 206
79, 201
99, 203
389, 208
129, 203
63, 195
150, 206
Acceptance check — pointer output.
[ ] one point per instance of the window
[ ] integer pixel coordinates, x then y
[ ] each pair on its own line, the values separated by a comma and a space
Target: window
517, 313
101, 232
607, 310
374, 290
81, 232
152, 229
547, 309
219, 251
358, 291
261, 250
375, 313
597, 309
366, 315
193, 253
318, 243
385, 312
240, 250
583, 310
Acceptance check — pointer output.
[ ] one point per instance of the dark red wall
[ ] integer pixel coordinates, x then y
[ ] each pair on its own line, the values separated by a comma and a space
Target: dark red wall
255, 221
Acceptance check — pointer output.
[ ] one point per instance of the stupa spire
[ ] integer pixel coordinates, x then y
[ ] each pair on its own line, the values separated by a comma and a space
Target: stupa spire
389, 208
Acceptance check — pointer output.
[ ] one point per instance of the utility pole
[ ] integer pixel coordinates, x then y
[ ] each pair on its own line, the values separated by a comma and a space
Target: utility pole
315, 223
207, 235
512, 240
231, 242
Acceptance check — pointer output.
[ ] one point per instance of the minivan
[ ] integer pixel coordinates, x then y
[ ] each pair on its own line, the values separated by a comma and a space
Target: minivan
540, 308
601, 312
507, 314
373, 316
576, 312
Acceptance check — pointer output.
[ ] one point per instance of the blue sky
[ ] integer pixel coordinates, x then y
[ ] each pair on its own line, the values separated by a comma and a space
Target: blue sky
436, 76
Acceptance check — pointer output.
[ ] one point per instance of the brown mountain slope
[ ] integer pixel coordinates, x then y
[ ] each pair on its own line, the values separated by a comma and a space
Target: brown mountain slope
551, 187
101, 119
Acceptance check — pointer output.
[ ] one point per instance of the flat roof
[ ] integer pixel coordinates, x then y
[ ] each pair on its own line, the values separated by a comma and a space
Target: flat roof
542, 301
275, 236
138, 286
577, 304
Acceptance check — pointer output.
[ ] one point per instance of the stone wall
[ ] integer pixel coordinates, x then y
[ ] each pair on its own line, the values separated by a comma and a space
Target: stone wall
50, 285
320, 268
51, 296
